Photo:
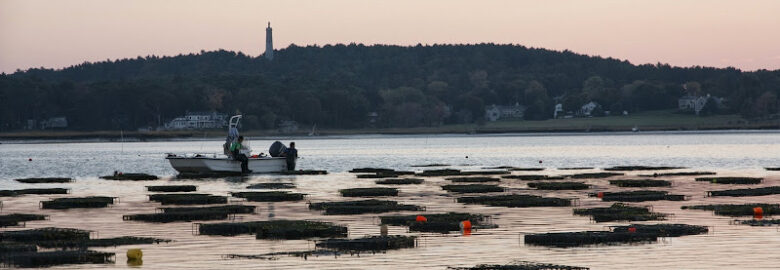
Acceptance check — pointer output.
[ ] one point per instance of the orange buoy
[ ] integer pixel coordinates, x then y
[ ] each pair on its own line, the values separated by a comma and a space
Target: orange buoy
465, 225
29, 159
600, 194
466, 232
632, 229
758, 213
421, 219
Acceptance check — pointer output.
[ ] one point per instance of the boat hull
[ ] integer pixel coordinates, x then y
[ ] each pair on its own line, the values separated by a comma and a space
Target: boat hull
226, 165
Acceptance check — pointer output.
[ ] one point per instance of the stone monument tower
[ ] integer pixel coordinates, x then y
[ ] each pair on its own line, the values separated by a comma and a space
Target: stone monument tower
269, 43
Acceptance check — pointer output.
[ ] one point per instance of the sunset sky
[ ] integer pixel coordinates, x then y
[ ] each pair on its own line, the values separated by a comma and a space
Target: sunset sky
59, 33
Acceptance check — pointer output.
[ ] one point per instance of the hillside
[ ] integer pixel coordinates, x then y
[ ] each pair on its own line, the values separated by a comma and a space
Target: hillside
337, 86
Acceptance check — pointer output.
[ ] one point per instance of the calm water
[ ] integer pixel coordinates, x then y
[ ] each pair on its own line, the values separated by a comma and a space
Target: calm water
726, 246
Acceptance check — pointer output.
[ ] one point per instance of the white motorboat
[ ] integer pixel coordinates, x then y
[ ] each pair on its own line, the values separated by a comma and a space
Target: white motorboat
204, 164
221, 163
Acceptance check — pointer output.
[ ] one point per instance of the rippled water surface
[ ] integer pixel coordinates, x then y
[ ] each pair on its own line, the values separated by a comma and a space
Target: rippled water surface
726, 246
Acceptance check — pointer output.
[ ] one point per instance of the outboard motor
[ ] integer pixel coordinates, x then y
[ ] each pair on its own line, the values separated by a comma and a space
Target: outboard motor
276, 149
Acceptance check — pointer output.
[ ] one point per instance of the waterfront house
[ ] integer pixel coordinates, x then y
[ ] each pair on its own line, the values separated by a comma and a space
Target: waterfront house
558, 112
587, 109
495, 112
690, 103
198, 120
55, 122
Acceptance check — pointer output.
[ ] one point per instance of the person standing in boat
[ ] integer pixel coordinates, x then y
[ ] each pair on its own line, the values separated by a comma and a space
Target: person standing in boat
231, 138
235, 148
291, 154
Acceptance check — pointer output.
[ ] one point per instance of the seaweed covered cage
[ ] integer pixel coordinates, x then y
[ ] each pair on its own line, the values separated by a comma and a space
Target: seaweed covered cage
45, 234
385, 174
558, 185
575, 239
472, 188
275, 229
520, 265
35, 191
130, 177
368, 192
268, 196
637, 196
172, 188
677, 174
735, 210
45, 180
430, 165
178, 216
515, 200
371, 243
594, 175
400, 181
231, 208
758, 222
187, 198
78, 202
527, 177
371, 170
271, 186
362, 207
440, 223
15, 219
305, 172
51, 258
763, 191
477, 179
640, 183
439, 172
619, 212
731, 180
663, 230
103, 242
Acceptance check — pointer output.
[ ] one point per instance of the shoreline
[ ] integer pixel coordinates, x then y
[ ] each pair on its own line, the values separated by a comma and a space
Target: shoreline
653, 121
91, 137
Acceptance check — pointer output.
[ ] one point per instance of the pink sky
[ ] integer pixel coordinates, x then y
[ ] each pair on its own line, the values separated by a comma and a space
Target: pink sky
59, 33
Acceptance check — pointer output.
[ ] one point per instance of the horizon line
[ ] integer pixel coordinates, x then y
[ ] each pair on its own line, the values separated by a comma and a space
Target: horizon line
260, 55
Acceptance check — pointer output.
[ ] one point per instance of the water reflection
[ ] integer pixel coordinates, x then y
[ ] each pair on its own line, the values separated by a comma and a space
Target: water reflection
726, 246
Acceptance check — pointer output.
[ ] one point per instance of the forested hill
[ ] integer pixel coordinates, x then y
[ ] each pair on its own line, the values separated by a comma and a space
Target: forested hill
339, 85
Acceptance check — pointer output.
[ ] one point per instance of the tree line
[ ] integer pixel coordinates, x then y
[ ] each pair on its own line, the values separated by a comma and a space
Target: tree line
338, 86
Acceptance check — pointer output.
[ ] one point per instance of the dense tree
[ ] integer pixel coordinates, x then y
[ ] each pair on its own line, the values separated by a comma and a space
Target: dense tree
340, 85
540, 108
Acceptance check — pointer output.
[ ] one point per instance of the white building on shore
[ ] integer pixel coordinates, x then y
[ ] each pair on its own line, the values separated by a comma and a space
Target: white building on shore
198, 120
587, 109
495, 112
695, 104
